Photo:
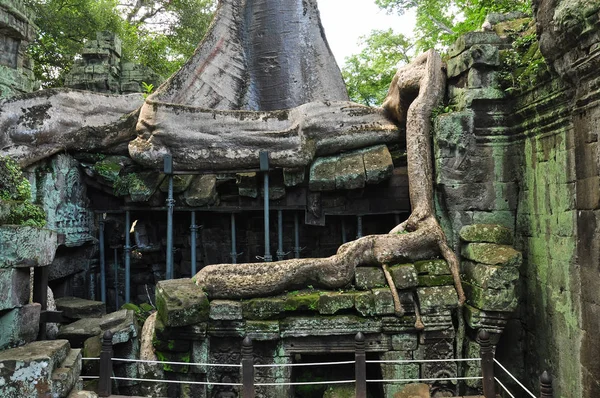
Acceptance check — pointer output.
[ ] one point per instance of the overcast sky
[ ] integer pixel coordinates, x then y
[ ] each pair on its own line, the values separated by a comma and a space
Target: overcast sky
346, 20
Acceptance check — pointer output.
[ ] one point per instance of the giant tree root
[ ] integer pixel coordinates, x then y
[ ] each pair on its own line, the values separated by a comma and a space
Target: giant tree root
420, 84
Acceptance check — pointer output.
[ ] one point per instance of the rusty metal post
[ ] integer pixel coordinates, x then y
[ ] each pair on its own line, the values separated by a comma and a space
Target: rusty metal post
247, 369
487, 364
105, 382
546, 386
360, 366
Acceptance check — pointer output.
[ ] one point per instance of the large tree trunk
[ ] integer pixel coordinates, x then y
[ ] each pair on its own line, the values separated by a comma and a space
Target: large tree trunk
259, 55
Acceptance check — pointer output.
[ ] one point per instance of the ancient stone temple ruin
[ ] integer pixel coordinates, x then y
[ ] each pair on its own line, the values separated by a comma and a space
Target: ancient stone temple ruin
248, 198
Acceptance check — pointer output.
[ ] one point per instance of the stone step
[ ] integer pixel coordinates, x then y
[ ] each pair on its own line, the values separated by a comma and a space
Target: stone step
77, 308
66, 376
26, 371
83, 394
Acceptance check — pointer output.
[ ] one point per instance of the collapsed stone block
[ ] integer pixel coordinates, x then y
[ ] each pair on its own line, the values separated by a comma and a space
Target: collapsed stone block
22, 246
19, 326
486, 233
492, 254
14, 287
77, 308
181, 302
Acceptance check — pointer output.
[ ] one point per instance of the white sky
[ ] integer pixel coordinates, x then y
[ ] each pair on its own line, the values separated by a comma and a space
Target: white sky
346, 20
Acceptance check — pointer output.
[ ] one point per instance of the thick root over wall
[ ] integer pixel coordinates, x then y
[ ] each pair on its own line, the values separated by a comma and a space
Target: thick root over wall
418, 237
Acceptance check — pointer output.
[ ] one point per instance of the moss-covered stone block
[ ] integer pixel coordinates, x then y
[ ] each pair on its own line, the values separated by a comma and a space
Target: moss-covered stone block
14, 287
24, 246
486, 233
302, 301
350, 171
262, 330
437, 299
493, 321
404, 276
478, 54
293, 177
321, 325
366, 278
435, 280
247, 184
181, 357
202, 191
78, 308
225, 310
395, 371
110, 167
432, 267
139, 186
405, 342
504, 300
263, 308
180, 183
330, 303
322, 174
181, 302
490, 276
378, 164
364, 302
492, 254
472, 38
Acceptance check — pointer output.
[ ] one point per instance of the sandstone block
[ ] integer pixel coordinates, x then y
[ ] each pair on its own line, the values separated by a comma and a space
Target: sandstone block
225, 310
436, 299
77, 308
378, 164
26, 246
322, 174
432, 267
490, 276
202, 191
404, 276
486, 233
492, 254
366, 278
350, 171
330, 303
14, 287
19, 326
504, 300
181, 302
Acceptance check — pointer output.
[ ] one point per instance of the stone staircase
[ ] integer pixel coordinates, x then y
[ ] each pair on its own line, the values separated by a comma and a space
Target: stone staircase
40, 369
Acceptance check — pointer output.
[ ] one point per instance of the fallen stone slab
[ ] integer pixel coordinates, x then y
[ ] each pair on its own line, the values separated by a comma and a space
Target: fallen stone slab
14, 287
181, 302
77, 308
78, 332
20, 325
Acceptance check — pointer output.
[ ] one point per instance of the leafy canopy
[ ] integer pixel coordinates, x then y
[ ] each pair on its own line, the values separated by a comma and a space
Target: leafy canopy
160, 34
439, 23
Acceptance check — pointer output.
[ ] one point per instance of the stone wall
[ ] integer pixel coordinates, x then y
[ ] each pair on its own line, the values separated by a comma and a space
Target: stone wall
527, 158
16, 32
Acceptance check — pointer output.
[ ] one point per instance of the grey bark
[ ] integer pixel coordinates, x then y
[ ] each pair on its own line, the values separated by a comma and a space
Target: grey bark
199, 138
38, 125
259, 55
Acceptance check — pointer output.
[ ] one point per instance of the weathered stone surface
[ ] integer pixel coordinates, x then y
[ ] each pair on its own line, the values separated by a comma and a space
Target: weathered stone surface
404, 276
504, 300
19, 326
486, 233
478, 54
147, 353
472, 38
82, 394
78, 332
489, 253
180, 183
377, 302
378, 164
339, 391
122, 324
328, 326
322, 174
262, 330
77, 308
26, 371
141, 186
263, 308
432, 267
26, 246
293, 177
490, 276
493, 321
350, 171
330, 303
202, 191
392, 371
247, 184
435, 280
181, 302
65, 377
14, 287
404, 342
366, 278
225, 310
436, 299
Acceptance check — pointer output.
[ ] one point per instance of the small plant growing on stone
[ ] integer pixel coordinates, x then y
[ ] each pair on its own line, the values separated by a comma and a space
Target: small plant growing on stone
148, 89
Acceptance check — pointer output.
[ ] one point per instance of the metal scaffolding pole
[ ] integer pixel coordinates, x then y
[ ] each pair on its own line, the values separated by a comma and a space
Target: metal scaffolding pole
234, 254
127, 250
359, 227
102, 260
344, 240
280, 252
193, 232
264, 167
297, 248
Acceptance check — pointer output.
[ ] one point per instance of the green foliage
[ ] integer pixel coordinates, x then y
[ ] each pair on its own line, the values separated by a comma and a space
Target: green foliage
148, 88
368, 74
16, 191
13, 186
440, 22
142, 312
159, 34
523, 64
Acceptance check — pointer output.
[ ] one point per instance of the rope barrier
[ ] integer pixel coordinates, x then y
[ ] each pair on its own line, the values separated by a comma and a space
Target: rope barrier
306, 383
204, 383
503, 387
275, 365
223, 365
400, 361
427, 379
514, 378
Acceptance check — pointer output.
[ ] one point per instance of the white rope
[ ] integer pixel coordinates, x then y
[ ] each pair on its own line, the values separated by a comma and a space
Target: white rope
204, 383
425, 360
505, 389
304, 364
514, 378
177, 363
307, 383
431, 379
